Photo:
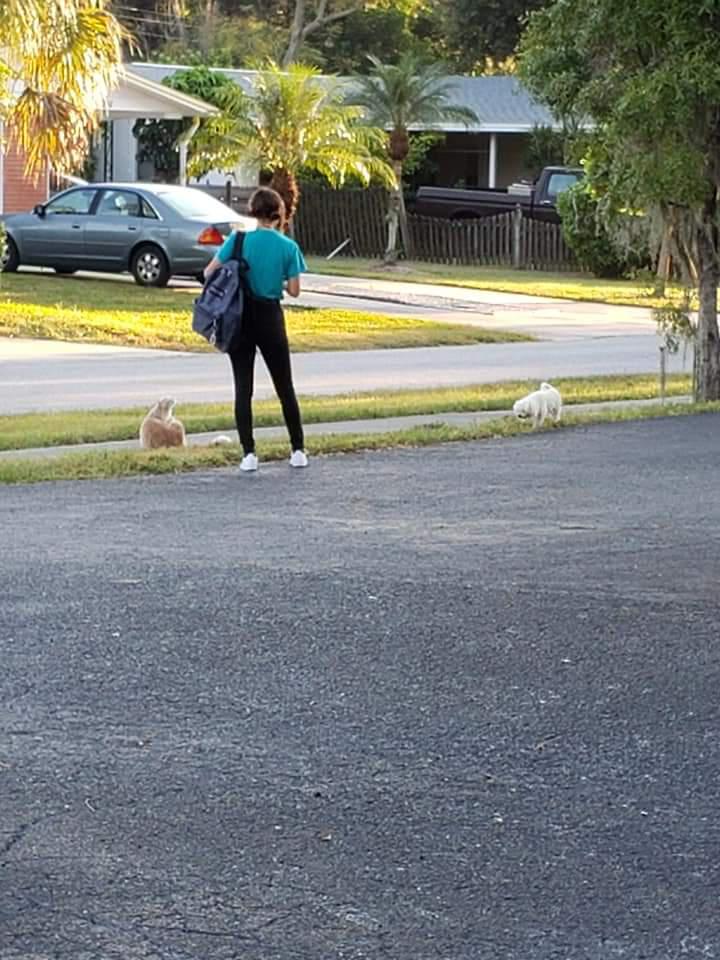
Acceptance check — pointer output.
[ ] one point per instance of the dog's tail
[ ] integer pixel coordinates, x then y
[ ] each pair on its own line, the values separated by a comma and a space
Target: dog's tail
546, 386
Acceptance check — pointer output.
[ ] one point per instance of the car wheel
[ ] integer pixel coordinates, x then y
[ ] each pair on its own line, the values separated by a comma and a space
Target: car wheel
149, 266
10, 260
64, 271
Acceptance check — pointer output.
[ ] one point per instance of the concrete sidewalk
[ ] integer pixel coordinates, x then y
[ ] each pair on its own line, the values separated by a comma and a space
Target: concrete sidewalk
347, 427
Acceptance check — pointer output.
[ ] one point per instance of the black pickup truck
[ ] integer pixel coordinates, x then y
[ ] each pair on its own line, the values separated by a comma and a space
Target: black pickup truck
537, 200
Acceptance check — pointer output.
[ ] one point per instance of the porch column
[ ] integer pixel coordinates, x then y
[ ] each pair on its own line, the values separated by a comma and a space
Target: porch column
182, 144
492, 161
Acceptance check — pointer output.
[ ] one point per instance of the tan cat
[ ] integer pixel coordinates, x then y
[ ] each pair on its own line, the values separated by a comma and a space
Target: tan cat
160, 428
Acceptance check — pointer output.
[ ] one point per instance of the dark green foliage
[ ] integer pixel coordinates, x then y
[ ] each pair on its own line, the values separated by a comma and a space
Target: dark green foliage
157, 139
546, 148
587, 236
239, 33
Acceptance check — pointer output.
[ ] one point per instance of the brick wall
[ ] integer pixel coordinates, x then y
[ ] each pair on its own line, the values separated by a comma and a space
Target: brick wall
21, 192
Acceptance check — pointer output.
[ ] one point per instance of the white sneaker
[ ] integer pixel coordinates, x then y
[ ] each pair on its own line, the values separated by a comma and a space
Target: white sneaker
249, 462
298, 459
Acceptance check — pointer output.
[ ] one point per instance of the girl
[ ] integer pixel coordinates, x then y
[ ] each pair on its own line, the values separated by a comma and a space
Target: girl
275, 263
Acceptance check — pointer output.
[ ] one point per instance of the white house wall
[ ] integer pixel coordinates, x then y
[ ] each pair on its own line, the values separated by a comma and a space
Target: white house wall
126, 167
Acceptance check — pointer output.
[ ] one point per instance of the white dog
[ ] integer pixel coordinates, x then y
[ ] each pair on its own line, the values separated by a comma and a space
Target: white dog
542, 403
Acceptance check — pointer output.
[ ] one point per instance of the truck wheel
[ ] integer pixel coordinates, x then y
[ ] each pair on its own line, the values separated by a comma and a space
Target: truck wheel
149, 266
10, 260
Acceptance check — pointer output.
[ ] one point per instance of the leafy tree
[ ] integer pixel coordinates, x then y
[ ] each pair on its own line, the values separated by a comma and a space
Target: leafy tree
473, 34
311, 18
399, 97
648, 76
609, 253
59, 58
546, 147
157, 139
342, 47
293, 120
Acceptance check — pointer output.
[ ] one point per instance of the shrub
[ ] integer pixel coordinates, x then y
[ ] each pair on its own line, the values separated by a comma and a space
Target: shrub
610, 249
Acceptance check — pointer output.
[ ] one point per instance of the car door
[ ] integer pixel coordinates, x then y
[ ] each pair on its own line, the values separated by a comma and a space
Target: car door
56, 234
113, 229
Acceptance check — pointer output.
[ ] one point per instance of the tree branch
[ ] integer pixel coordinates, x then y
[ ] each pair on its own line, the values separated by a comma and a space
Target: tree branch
300, 30
323, 18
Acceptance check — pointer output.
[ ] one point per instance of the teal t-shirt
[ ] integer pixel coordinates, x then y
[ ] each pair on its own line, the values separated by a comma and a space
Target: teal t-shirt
272, 257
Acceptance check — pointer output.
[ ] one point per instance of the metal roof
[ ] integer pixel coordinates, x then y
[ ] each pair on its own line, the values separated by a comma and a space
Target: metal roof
501, 103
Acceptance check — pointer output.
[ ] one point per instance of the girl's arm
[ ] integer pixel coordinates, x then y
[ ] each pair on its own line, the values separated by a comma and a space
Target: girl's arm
211, 267
223, 254
293, 286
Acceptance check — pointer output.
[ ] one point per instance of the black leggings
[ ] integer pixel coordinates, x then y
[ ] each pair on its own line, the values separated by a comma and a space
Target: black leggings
264, 327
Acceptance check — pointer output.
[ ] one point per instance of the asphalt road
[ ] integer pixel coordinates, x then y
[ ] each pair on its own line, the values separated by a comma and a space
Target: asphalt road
41, 375
577, 339
457, 702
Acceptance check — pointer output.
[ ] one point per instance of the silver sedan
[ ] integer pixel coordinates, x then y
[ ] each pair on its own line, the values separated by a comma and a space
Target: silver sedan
154, 231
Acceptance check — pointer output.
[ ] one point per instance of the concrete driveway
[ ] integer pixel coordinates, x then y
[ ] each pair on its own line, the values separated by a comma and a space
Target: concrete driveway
545, 317
451, 703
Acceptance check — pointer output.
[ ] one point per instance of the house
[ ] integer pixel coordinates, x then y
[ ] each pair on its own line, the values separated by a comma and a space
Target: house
133, 96
489, 152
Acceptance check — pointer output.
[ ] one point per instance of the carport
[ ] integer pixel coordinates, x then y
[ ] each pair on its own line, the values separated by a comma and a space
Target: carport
133, 97
137, 97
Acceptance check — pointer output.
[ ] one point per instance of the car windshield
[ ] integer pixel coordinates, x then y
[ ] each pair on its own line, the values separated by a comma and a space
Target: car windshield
559, 182
196, 204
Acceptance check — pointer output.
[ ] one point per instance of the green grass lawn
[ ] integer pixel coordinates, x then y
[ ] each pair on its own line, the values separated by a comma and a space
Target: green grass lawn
566, 286
67, 427
96, 465
45, 306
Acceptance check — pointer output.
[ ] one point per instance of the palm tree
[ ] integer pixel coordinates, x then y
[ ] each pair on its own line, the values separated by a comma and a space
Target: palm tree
58, 59
408, 95
293, 120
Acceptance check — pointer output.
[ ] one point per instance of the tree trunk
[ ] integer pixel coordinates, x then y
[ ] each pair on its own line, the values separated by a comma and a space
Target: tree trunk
296, 34
286, 185
300, 30
707, 340
397, 219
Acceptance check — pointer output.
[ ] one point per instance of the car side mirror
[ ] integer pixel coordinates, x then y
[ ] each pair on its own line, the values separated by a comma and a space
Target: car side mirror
39, 210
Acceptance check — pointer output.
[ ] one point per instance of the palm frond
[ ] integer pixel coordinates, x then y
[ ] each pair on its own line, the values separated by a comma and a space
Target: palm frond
296, 119
408, 94
62, 57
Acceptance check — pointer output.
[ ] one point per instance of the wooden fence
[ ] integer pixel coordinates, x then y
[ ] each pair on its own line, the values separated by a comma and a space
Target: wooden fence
507, 240
327, 219
355, 220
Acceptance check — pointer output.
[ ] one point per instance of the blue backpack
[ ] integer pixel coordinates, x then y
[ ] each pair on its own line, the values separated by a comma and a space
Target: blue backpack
218, 311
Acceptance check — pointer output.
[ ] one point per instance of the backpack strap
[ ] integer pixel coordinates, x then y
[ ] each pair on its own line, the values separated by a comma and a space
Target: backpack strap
238, 248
